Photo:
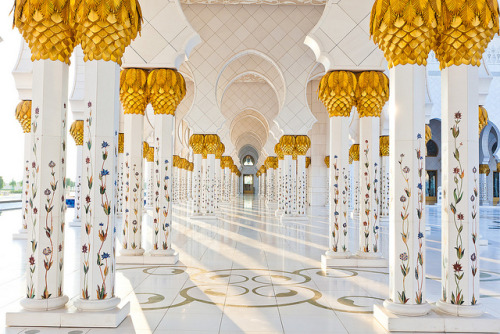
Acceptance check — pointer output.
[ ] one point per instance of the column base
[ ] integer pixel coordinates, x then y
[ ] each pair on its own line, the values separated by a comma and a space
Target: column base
37, 305
69, 316
21, 235
75, 223
159, 257
131, 252
435, 321
460, 310
293, 218
353, 261
204, 217
408, 310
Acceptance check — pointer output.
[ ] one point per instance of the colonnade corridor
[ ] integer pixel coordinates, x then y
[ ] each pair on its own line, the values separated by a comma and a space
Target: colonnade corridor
247, 272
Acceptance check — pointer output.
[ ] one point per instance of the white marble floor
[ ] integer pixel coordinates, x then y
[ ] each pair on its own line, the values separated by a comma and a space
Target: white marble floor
246, 272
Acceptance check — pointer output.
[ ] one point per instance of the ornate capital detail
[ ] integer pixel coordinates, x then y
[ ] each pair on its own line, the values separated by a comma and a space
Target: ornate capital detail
302, 144
466, 27
279, 151
175, 161
197, 142
166, 88
46, 27
220, 150
121, 143
498, 166
354, 153
76, 131
372, 92
484, 169
191, 167
133, 91
308, 162
287, 144
428, 133
404, 30
211, 143
384, 146
23, 115
150, 155
483, 118
105, 28
337, 91
145, 149
327, 161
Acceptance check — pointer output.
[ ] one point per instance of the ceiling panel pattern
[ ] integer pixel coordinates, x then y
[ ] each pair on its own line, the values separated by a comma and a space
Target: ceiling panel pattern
276, 31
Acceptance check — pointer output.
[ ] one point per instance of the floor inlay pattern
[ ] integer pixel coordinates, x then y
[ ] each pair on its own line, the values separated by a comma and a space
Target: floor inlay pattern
247, 272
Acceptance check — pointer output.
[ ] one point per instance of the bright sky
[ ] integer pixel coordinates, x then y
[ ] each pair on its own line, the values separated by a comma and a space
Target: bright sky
11, 133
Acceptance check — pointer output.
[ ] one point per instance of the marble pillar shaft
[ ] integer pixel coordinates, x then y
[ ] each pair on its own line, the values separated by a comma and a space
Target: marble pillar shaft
369, 174
26, 181
460, 182
287, 185
119, 201
197, 160
210, 185
97, 274
46, 208
78, 185
150, 183
338, 186
133, 147
407, 185
301, 185
162, 216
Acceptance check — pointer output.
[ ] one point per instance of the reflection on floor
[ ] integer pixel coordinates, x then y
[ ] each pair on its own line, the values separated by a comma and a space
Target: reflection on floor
247, 272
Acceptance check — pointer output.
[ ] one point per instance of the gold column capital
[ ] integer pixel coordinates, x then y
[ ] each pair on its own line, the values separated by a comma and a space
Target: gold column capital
287, 144
428, 133
405, 30
372, 92
484, 169
211, 143
384, 146
197, 142
133, 91
150, 156
302, 144
76, 131
23, 115
121, 142
337, 90
354, 153
145, 149
105, 28
47, 28
483, 119
327, 161
278, 151
466, 27
308, 162
220, 150
166, 89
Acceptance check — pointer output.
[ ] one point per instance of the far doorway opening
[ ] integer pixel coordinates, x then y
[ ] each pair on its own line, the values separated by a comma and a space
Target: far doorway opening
248, 184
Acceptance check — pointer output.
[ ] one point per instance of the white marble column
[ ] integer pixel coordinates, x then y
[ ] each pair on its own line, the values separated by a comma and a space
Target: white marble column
196, 181
210, 199
227, 182
189, 183
281, 163
287, 183
460, 182
218, 180
23, 231
328, 180
384, 176
150, 179
132, 225
354, 155
121, 169
407, 191
339, 169
484, 171
301, 192
77, 220
164, 133
46, 211
97, 274
369, 175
